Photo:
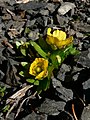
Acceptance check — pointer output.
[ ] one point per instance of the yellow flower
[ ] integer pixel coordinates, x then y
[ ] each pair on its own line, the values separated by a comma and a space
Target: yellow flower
57, 39
38, 68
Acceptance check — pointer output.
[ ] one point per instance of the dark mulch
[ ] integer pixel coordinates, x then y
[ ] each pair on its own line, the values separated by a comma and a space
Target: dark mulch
57, 103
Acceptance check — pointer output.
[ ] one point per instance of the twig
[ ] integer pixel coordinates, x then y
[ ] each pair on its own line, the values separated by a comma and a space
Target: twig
6, 43
13, 14
15, 98
18, 111
18, 95
9, 111
74, 114
79, 98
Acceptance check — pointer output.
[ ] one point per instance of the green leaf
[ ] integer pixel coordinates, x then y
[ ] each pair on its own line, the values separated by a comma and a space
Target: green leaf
38, 49
50, 70
18, 44
43, 44
54, 60
21, 73
23, 50
36, 82
30, 80
6, 108
24, 63
43, 85
27, 30
73, 51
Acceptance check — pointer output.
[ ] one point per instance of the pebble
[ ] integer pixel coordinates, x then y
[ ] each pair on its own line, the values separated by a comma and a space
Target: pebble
65, 7
88, 20
79, 35
44, 12
86, 113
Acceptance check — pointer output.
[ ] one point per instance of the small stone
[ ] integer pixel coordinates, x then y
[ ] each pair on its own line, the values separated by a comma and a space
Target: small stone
33, 5
66, 68
89, 10
30, 23
79, 35
83, 59
44, 12
86, 113
61, 20
88, 20
63, 93
33, 35
75, 77
89, 55
6, 17
65, 7
51, 107
86, 84
83, 27
1, 75
50, 7
34, 116
11, 116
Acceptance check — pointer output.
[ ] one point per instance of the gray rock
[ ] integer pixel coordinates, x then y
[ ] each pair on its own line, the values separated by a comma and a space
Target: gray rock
33, 5
83, 59
6, 17
86, 113
1, 75
1, 26
62, 20
30, 23
50, 7
51, 107
33, 35
75, 77
63, 115
11, 116
79, 35
83, 27
88, 20
65, 7
34, 116
86, 84
44, 12
63, 93
63, 69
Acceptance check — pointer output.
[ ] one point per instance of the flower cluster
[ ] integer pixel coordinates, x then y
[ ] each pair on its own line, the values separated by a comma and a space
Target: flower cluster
44, 58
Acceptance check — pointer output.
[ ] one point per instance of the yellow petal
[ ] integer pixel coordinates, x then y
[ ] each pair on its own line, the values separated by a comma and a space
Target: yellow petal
63, 43
56, 33
45, 65
41, 75
61, 35
50, 40
49, 32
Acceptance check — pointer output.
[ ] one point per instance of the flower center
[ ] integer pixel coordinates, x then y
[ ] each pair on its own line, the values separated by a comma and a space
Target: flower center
38, 69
